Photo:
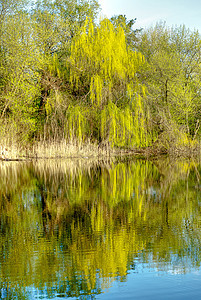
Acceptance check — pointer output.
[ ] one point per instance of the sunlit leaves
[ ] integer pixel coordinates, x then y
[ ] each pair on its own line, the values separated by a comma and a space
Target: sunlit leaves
101, 59
173, 55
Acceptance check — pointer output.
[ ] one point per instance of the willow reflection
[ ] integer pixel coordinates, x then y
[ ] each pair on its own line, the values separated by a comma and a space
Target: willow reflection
78, 227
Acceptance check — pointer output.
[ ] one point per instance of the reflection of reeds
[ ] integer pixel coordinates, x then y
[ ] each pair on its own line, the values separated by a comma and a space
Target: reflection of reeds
9, 171
54, 170
70, 166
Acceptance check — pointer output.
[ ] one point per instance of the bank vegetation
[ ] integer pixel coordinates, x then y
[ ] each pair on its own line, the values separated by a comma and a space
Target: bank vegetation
72, 83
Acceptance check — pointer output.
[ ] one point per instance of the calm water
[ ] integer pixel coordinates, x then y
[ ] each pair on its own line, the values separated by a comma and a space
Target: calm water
83, 230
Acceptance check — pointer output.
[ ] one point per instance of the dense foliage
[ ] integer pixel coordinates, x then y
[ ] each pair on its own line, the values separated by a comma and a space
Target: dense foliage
64, 75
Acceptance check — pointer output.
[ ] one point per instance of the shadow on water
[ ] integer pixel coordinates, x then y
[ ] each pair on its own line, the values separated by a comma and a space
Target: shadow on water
72, 228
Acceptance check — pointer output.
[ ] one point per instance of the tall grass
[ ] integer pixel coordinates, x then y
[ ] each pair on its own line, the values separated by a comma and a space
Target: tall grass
15, 147
54, 149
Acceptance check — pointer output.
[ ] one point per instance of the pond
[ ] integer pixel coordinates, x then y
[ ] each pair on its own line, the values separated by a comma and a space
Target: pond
122, 229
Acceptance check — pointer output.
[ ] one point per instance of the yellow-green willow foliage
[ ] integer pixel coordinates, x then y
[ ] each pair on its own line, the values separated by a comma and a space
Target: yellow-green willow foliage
55, 67
102, 60
123, 127
102, 53
76, 124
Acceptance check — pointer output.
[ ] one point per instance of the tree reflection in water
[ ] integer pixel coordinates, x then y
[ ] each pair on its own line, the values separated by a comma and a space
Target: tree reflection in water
72, 228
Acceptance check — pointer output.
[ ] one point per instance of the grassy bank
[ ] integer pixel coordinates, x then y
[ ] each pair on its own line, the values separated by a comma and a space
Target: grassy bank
60, 149
12, 150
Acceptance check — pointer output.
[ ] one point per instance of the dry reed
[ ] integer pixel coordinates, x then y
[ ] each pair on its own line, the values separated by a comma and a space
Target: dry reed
53, 149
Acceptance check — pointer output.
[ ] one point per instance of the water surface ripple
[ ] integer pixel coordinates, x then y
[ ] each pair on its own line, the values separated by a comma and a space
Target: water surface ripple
127, 229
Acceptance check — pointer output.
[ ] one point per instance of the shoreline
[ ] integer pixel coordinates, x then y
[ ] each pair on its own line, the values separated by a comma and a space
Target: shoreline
65, 150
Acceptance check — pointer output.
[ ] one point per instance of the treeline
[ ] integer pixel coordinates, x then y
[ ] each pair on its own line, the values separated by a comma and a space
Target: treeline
66, 76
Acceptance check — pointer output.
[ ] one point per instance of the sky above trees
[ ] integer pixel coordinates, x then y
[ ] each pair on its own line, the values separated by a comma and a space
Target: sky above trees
148, 12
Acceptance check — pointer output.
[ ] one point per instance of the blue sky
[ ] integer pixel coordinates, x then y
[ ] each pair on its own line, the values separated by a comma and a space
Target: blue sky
148, 12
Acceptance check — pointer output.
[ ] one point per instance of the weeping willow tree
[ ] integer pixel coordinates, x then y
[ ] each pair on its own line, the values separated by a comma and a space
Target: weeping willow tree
105, 72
